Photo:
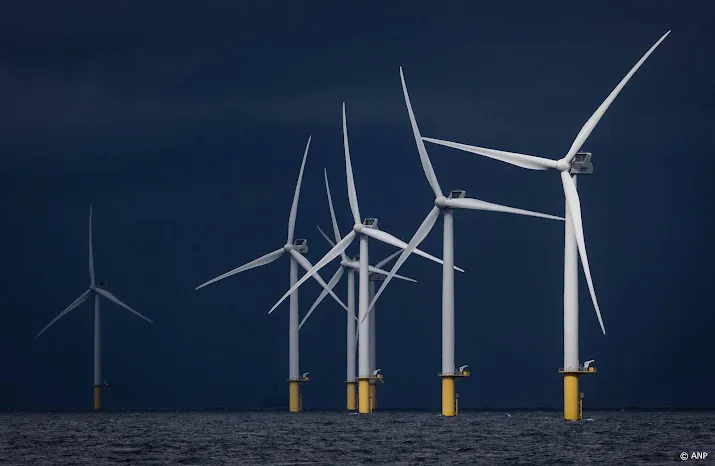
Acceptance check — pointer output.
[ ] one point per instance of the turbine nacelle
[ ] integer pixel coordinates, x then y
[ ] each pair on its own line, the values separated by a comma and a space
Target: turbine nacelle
301, 246
370, 222
443, 202
94, 286
581, 164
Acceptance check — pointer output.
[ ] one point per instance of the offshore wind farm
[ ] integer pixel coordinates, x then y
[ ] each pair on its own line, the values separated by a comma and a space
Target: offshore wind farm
368, 375
259, 185
363, 378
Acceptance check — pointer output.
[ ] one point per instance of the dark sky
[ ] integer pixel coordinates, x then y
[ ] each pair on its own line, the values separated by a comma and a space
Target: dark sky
184, 125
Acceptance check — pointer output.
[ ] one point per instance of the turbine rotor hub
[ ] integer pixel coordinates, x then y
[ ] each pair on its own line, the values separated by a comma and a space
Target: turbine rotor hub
441, 202
562, 165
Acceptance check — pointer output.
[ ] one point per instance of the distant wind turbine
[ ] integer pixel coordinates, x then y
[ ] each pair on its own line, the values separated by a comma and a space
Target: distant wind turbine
96, 289
568, 167
295, 250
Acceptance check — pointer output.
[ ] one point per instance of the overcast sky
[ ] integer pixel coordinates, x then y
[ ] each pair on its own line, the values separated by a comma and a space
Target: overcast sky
184, 125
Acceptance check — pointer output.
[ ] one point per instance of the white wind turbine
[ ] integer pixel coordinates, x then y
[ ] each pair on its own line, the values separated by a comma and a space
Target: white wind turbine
352, 266
447, 205
367, 229
96, 289
295, 249
574, 236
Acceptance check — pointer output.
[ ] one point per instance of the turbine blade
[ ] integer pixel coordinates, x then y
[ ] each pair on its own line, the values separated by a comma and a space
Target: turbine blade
330, 241
263, 260
332, 254
424, 158
76, 303
388, 259
305, 263
91, 252
336, 230
520, 160
116, 301
294, 207
384, 272
574, 204
600, 111
331, 284
385, 237
476, 204
417, 238
352, 195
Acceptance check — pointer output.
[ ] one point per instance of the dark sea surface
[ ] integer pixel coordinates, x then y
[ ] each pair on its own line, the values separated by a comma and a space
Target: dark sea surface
387, 437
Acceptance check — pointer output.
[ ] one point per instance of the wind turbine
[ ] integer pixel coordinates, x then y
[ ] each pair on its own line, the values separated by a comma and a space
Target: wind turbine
295, 249
447, 205
351, 266
366, 229
97, 290
573, 163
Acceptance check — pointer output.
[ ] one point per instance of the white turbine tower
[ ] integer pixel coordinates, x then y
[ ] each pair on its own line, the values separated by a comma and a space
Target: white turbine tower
96, 289
295, 249
366, 229
568, 167
351, 266
447, 205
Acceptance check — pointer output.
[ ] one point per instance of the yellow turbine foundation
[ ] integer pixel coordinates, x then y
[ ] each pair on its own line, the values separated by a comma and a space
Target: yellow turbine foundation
97, 398
573, 405
294, 401
373, 397
352, 396
364, 396
448, 396
572, 398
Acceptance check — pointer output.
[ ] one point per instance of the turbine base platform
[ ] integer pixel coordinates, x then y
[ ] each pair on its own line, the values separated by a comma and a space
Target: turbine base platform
453, 374
579, 371
299, 380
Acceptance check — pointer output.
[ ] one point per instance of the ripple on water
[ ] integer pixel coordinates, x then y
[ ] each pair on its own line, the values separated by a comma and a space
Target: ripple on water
336, 438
